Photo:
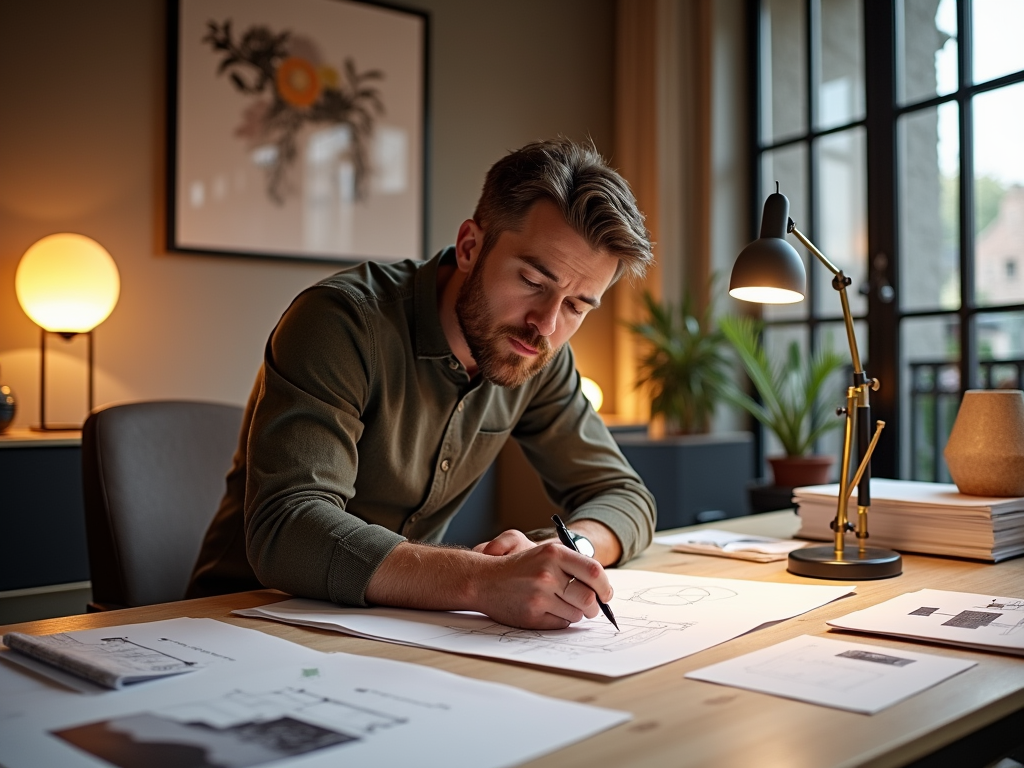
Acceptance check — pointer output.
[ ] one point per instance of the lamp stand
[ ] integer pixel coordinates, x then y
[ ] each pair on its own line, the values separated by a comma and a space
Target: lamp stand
43, 426
840, 561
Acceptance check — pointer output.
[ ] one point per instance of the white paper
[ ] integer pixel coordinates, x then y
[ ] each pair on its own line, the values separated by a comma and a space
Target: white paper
728, 541
207, 642
835, 673
662, 617
339, 710
955, 618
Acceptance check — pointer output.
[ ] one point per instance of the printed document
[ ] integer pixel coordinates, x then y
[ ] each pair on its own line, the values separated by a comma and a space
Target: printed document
835, 673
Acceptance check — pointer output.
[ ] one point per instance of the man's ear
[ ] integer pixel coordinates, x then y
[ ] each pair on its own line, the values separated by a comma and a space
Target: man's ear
468, 245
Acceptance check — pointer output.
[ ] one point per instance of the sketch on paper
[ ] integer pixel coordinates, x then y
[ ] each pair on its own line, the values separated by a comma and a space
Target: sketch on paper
681, 595
594, 638
240, 729
662, 617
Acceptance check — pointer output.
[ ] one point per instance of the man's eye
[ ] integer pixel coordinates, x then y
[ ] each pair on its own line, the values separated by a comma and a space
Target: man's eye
529, 282
573, 309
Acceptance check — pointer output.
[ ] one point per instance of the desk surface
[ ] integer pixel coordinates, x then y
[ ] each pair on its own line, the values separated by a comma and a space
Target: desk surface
689, 723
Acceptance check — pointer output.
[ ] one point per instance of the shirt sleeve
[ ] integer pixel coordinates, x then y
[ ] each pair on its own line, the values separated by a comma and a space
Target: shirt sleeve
582, 468
302, 458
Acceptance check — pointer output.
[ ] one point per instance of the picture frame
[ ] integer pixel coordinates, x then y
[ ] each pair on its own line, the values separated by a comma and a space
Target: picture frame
297, 129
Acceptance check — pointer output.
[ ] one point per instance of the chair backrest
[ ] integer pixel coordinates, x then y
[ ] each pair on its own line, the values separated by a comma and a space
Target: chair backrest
152, 475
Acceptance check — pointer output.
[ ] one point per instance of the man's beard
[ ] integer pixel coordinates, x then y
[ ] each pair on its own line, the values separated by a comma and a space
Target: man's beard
486, 343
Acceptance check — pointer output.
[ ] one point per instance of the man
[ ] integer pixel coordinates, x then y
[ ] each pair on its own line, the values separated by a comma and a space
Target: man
387, 390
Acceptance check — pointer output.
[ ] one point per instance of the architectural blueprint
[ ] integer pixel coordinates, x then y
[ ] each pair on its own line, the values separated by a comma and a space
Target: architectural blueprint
337, 709
953, 618
835, 673
662, 617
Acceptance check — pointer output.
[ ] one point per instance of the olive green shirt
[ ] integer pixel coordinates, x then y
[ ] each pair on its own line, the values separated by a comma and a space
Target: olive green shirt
364, 430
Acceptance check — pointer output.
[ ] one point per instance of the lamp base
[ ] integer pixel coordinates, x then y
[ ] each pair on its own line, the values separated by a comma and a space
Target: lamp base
822, 563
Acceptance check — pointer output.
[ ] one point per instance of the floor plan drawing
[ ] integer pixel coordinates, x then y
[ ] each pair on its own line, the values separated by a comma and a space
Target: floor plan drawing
599, 637
981, 616
662, 617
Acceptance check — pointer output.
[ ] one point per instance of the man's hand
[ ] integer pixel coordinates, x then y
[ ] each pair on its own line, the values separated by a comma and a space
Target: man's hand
544, 587
505, 543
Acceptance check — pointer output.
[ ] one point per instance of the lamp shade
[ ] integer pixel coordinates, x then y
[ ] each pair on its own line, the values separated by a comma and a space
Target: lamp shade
769, 270
67, 283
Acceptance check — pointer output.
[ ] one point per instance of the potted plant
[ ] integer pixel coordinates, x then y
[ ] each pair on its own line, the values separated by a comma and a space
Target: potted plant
686, 365
790, 403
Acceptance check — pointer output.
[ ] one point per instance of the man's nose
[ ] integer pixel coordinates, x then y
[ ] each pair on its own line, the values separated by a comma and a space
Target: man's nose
543, 317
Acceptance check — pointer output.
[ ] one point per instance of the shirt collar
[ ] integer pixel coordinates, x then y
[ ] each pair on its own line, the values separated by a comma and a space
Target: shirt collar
430, 339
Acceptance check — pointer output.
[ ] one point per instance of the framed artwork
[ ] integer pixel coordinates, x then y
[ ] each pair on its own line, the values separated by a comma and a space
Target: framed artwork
297, 129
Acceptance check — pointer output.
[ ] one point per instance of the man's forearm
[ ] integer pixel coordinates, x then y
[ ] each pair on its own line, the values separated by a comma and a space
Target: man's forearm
427, 577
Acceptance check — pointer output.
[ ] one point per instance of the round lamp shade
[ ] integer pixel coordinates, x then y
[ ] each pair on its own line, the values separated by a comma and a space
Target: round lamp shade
67, 283
768, 271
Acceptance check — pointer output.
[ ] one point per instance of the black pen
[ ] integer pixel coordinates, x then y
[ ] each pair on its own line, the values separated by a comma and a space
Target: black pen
565, 538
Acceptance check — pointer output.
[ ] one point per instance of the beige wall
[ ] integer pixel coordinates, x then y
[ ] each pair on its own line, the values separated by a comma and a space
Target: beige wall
82, 142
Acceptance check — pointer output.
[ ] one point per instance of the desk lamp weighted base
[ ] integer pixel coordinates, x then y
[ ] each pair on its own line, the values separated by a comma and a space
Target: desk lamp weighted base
822, 563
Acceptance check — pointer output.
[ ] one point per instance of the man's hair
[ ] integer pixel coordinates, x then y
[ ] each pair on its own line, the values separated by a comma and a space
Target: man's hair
594, 199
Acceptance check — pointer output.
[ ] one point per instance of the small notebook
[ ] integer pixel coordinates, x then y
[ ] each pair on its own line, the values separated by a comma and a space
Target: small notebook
761, 549
112, 663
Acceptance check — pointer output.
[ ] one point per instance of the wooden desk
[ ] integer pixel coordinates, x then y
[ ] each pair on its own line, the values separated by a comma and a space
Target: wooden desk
681, 722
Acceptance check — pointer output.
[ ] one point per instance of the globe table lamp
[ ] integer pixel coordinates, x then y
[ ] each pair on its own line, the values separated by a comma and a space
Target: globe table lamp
769, 271
67, 284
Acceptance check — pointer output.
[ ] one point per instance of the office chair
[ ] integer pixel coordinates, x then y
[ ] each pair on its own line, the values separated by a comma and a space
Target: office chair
152, 475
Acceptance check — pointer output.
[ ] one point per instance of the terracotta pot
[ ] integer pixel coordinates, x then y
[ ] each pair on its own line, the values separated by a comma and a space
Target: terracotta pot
797, 471
985, 452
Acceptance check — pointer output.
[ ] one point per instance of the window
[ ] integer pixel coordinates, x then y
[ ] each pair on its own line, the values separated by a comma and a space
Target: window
893, 127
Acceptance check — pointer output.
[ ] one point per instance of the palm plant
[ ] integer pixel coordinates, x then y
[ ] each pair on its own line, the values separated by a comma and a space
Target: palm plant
684, 362
790, 404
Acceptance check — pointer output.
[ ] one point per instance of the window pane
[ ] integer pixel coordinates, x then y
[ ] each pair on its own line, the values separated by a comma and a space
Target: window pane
841, 85
1000, 338
997, 29
929, 178
842, 202
999, 197
930, 394
783, 69
928, 65
788, 166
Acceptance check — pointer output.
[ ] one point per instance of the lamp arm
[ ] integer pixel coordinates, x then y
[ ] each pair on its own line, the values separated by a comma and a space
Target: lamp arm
839, 282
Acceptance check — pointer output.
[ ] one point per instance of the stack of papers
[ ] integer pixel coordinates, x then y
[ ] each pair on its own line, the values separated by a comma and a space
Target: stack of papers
742, 546
932, 518
980, 622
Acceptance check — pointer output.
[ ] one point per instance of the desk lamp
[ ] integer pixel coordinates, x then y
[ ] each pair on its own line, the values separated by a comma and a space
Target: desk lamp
769, 271
67, 284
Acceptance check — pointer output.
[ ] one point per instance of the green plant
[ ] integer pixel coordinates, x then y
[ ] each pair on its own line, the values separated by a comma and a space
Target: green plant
789, 389
684, 362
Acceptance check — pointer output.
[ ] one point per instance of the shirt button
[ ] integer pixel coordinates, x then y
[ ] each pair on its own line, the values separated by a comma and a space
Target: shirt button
461, 406
446, 465
453, 364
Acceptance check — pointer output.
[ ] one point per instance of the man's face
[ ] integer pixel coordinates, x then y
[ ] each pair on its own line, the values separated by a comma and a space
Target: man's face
529, 294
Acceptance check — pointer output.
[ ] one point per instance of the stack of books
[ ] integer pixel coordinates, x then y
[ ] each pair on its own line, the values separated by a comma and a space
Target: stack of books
931, 518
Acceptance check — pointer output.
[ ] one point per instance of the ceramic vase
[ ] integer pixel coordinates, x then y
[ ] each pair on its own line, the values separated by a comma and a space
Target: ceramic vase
985, 452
